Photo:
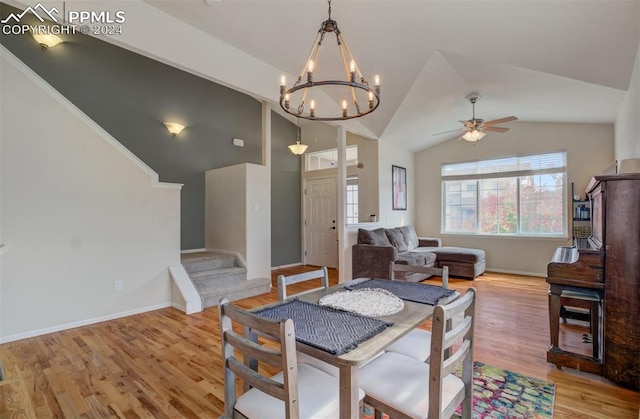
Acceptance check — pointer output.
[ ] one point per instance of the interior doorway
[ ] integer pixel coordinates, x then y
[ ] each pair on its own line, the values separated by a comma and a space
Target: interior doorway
320, 222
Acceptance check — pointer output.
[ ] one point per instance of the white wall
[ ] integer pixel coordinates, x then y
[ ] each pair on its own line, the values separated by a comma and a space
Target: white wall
627, 131
238, 214
388, 155
258, 221
368, 190
589, 151
225, 212
76, 214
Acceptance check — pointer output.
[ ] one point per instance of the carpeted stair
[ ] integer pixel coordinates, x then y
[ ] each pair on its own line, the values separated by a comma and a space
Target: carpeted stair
219, 275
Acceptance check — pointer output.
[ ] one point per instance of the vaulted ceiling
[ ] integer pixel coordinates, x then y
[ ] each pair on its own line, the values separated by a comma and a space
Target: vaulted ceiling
540, 60
560, 61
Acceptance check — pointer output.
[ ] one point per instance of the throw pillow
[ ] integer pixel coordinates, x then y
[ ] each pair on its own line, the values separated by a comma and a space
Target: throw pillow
397, 239
375, 237
410, 236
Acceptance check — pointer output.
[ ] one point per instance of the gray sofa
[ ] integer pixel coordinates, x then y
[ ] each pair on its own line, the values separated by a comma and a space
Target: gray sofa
377, 248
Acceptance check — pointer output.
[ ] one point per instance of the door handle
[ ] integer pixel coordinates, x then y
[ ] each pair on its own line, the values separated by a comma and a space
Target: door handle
333, 228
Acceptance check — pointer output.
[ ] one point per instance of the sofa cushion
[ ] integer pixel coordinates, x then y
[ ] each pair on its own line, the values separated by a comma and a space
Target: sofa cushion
375, 237
458, 254
413, 259
397, 239
410, 236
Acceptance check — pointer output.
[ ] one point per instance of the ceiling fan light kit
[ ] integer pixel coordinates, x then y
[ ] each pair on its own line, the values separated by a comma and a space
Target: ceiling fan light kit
473, 136
363, 98
475, 127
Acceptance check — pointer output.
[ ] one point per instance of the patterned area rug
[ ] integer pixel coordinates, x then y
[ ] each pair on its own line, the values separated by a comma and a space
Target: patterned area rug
503, 394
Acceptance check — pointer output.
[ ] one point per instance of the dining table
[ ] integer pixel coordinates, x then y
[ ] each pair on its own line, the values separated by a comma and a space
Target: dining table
411, 316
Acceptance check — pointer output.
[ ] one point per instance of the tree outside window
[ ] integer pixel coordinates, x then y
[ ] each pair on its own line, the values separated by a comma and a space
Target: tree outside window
507, 196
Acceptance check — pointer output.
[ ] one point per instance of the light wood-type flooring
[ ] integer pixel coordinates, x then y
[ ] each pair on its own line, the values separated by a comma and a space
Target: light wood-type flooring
164, 364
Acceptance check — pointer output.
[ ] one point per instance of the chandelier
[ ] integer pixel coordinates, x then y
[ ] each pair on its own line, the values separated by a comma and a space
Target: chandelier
358, 98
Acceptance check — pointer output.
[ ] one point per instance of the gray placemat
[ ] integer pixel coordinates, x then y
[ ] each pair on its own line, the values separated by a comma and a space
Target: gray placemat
409, 291
325, 328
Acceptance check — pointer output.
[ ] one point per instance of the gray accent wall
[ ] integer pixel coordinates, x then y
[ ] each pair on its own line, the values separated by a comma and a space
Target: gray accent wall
130, 96
286, 234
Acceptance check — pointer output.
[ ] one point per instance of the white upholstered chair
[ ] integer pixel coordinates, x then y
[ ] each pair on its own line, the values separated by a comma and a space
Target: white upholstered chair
284, 281
416, 344
404, 387
299, 391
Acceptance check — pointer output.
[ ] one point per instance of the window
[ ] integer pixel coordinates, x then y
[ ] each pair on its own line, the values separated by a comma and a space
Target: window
522, 196
328, 159
352, 200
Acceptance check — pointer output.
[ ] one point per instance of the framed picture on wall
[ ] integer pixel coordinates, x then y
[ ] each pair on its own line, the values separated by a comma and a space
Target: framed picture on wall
399, 181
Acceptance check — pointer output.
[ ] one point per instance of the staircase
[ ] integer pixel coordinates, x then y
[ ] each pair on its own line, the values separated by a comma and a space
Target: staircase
220, 275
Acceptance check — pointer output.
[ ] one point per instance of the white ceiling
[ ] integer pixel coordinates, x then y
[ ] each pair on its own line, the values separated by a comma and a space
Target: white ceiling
549, 60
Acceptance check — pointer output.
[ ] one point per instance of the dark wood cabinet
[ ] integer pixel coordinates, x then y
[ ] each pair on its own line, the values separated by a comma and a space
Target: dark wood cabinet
615, 206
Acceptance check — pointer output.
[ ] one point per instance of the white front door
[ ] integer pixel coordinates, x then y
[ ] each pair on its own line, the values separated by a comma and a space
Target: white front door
321, 238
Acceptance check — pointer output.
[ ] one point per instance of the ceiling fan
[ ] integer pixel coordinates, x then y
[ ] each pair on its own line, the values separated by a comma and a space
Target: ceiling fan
475, 127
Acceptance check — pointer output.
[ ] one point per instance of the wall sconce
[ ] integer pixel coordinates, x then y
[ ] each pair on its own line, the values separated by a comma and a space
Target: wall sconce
174, 128
46, 40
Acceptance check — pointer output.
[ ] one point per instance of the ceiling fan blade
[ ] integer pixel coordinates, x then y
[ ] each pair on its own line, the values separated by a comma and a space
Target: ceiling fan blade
501, 120
495, 129
446, 132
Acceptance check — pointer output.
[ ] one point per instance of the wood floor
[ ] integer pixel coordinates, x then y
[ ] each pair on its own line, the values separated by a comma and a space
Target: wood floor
163, 364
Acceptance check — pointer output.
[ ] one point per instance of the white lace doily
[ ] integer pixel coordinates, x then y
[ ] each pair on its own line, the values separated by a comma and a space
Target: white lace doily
372, 302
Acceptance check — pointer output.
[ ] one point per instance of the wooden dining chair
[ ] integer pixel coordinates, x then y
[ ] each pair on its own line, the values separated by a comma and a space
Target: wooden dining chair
299, 391
284, 281
403, 387
416, 344
428, 270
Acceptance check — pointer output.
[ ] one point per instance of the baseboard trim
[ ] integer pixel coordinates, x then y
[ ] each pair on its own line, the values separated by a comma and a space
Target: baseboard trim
179, 307
291, 265
81, 323
507, 271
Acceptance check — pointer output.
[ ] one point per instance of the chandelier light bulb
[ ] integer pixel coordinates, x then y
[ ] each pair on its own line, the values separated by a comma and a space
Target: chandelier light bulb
283, 85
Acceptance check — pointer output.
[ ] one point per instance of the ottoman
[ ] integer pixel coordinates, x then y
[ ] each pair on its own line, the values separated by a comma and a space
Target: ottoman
462, 261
